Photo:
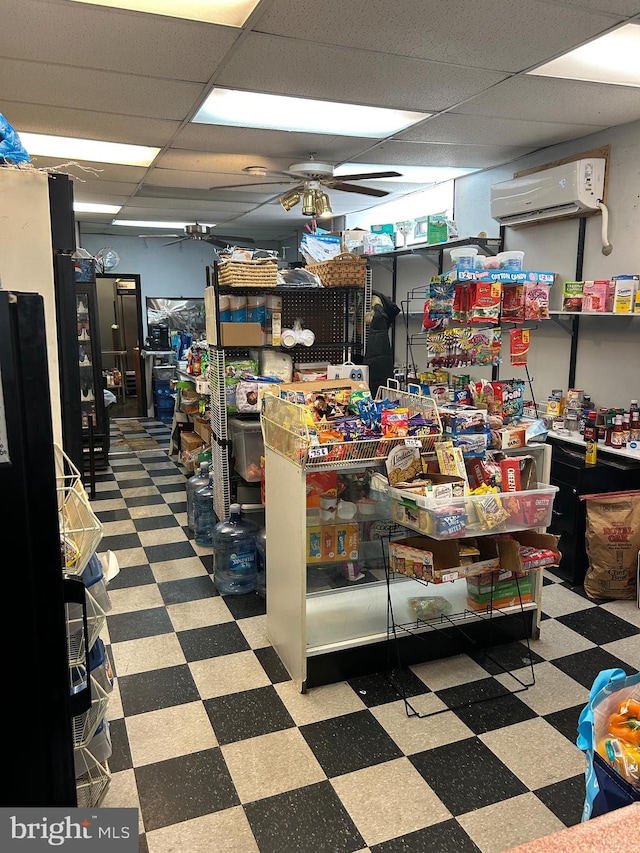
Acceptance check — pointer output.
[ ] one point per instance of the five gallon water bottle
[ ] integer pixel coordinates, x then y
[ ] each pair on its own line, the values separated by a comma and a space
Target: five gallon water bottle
261, 549
199, 479
235, 564
204, 516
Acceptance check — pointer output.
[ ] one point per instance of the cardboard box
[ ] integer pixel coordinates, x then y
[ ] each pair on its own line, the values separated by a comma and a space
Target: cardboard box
190, 441
241, 334
202, 426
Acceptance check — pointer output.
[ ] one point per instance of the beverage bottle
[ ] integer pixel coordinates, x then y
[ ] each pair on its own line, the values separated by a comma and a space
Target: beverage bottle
235, 563
634, 435
204, 516
617, 434
626, 427
199, 479
590, 432
261, 552
633, 407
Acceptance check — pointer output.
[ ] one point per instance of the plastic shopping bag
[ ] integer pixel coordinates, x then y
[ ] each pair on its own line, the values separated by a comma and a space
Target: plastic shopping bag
11, 149
606, 788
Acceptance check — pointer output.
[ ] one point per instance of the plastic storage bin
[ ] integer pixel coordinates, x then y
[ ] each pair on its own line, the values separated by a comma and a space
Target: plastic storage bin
474, 515
162, 371
95, 583
248, 447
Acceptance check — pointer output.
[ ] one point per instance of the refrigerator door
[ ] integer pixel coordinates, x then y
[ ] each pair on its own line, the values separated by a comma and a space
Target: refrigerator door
36, 673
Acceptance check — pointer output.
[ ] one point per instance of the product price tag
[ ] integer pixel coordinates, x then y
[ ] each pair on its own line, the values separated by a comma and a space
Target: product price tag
413, 442
317, 452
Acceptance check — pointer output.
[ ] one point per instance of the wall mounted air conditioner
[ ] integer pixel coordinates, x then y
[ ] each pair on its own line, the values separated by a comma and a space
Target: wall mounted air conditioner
566, 190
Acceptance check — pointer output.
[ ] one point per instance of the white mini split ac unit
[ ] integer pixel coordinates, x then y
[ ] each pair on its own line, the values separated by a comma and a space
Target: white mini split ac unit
567, 190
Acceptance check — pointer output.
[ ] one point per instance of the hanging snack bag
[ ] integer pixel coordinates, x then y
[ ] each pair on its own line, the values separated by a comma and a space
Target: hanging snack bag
519, 346
536, 301
486, 299
513, 303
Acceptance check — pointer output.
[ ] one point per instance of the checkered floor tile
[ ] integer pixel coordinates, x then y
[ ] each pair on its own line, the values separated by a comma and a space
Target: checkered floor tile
211, 740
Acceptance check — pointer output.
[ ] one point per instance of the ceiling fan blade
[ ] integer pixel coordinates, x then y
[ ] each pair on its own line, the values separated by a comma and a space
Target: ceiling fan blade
164, 236
229, 239
223, 242
354, 188
179, 240
368, 176
257, 184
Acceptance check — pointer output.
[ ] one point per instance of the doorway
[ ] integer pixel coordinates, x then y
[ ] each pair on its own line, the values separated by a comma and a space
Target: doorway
120, 314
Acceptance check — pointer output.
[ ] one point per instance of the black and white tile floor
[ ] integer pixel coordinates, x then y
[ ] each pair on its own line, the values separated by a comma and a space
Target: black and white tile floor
220, 753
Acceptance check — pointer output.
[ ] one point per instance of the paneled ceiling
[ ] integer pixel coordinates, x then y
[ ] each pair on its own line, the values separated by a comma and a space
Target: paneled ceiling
72, 69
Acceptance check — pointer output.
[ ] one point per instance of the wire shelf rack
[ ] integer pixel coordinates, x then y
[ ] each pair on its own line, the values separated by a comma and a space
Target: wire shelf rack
85, 725
287, 430
93, 785
80, 528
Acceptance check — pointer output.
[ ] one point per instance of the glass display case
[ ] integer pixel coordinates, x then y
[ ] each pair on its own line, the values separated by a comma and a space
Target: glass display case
95, 424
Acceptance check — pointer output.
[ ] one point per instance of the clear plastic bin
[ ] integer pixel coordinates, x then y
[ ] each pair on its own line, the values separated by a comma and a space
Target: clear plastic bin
474, 515
248, 447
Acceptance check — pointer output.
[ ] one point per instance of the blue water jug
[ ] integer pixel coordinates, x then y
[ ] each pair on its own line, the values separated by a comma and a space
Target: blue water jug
235, 559
203, 513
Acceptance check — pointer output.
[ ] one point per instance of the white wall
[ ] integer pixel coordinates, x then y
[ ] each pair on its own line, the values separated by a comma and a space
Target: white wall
609, 353
26, 259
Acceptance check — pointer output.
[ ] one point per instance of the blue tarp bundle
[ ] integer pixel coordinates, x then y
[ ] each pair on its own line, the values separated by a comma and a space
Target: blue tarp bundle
11, 149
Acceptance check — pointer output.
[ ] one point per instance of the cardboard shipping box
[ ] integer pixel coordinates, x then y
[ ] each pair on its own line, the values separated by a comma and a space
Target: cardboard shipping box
203, 427
190, 441
241, 334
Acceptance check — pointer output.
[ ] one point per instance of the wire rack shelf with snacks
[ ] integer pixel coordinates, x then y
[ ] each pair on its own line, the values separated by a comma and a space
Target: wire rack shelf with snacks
336, 315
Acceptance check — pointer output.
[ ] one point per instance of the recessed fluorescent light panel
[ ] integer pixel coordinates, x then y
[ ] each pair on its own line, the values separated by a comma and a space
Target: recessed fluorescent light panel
408, 174
280, 112
142, 223
230, 13
71, 148
94, 207
613, 58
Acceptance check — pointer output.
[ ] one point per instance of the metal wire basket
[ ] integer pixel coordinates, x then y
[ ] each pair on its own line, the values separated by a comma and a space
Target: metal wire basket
80, 528
287, 430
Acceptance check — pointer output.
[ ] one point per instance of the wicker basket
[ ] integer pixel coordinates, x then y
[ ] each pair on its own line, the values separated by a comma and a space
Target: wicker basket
262, 272
345, 270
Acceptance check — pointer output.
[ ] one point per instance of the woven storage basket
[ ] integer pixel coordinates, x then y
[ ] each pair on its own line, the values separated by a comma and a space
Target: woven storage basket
262, 272
345, 270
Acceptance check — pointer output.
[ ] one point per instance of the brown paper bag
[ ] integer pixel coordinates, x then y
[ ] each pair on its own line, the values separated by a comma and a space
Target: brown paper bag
612, 541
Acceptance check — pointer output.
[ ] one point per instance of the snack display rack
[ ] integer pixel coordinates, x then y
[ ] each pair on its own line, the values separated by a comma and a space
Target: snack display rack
337, 317
80, 534
287, 430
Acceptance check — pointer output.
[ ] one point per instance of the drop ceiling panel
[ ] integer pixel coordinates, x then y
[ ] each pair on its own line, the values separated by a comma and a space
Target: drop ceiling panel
166, 195
425, 154
507, 35
81, 189
201, 161
295, 67
192, 213
567, 101
56, 85
172, 183
456, 128
113, 39
159, 207
87, 124
268, 143
97, 173
615, 7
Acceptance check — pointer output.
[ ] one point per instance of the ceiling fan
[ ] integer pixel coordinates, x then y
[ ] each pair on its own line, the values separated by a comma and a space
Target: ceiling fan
309, 179
204, 233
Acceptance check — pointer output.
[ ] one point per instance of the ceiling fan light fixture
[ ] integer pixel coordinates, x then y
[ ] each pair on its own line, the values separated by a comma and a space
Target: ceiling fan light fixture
290, 200
323, 205
309, 202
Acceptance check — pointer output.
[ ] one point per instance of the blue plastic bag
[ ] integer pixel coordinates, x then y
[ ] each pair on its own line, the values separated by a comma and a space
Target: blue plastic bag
11, 149
605, 789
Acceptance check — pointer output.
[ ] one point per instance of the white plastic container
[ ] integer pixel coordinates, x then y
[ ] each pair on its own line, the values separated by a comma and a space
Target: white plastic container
510, 260
464, 257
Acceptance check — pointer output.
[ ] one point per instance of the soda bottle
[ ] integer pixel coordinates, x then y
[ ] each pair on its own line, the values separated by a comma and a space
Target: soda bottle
204, 516
235, 563
199, 479
261, 549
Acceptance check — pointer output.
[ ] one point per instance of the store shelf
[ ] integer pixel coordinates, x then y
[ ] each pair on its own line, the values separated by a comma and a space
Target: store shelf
486, 243
348, 618
594, 314
576, 439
